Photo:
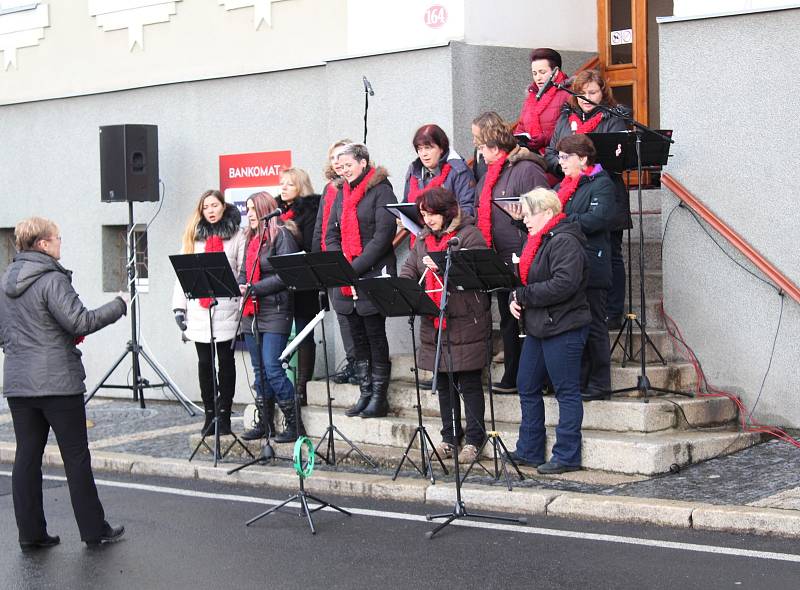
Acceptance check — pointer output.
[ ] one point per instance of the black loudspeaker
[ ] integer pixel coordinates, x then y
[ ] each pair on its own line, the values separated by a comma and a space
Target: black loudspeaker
128, 163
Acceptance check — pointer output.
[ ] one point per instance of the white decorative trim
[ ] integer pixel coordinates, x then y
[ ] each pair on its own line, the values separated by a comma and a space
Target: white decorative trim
114, 15
262, 9
23, 28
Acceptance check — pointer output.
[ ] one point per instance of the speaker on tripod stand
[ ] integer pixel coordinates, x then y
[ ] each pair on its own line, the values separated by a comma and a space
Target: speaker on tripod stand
128, 173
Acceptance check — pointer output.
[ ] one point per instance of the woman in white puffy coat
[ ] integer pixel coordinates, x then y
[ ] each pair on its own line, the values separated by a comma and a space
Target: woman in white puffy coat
214, 227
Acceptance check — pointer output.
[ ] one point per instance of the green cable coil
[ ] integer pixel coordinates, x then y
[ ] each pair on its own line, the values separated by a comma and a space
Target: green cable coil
297, 457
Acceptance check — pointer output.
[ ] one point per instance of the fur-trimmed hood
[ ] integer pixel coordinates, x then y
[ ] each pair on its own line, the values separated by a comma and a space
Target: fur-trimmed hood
225, 228
522, 153
302, 205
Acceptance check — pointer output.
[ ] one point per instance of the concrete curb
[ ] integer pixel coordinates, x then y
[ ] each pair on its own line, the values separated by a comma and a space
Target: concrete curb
524, 501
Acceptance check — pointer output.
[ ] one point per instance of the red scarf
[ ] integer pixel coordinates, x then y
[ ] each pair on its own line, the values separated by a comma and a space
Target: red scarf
585, 127
213, 244
569, 185
288, 216
414, 191
252, 266
327, 202
350, 230
485, 206
431, 284
532, 109
532, 247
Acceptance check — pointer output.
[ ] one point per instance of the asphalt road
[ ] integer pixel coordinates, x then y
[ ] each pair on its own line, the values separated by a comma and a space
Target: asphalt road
191, 534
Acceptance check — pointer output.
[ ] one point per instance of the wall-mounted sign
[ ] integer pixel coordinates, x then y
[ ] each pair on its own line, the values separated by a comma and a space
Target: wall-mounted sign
436, 16
622, 37
241, 175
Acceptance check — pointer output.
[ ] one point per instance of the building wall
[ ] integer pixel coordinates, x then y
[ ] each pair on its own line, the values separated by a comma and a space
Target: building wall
733, 150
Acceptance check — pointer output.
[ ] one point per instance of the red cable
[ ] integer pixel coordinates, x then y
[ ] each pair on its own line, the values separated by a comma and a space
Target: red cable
704, 389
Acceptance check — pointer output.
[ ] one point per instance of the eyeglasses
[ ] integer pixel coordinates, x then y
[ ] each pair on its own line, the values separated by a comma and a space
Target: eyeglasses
564, 157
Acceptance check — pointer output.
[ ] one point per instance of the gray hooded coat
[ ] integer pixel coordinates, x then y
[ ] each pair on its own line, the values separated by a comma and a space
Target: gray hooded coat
40, 318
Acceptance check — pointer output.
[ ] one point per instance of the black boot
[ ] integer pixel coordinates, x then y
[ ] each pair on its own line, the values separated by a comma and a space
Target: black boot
365, 385
378, 404
346, 375
305, 368
207, 395
294, 423
227, 387
268, 418
207, 423
258, 430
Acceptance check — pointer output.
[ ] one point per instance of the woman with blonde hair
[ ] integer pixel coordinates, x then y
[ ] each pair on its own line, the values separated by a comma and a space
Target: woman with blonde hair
333, 173
552, 303
300, 205
213, 227
269, 318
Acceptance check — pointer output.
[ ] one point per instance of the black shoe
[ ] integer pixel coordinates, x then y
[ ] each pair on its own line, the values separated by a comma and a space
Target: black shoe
256, 432
209, 417
346, 375
378, 405
522, 461
554, 467
224, 422
591, 395
111, 534
43, 543
364, 381
503, 389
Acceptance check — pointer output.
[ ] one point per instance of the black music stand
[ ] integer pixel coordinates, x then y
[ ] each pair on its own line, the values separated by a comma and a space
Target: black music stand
209, 275
318, 271
459, 508
485, 270
399, 297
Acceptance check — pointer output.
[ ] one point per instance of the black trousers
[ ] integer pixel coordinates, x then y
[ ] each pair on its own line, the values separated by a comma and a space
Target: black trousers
369, 338
469, 385
596, 362
616, 293
226, 376
512, 348
33, 417
347, 338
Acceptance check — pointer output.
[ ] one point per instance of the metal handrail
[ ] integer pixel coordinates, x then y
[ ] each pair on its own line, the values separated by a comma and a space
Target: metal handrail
783, 283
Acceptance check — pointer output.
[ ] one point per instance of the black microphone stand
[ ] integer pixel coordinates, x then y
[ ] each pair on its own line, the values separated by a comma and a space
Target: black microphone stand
643, 382
459, 509
368, 91
267, 453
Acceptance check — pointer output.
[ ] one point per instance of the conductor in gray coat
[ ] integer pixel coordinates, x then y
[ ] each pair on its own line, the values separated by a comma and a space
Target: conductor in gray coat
42, 321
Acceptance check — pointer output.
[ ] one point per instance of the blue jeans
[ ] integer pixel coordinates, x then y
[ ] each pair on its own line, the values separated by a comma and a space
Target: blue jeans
560, 357
276, 384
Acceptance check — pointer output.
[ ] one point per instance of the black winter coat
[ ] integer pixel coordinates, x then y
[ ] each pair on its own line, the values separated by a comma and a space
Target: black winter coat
377, 228
468, 313
522, 172
592, 207
609, 124
306, 303
40, 317
275, 302
554, 300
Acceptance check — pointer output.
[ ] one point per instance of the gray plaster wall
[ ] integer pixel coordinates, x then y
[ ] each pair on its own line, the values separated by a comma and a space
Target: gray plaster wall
724, 91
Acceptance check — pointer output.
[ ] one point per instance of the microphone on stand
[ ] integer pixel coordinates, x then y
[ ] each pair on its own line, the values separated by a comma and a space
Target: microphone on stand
276, 213
367, 86
453, 242
549, 84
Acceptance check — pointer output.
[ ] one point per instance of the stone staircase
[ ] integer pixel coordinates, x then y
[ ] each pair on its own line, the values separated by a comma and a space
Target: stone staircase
624, 435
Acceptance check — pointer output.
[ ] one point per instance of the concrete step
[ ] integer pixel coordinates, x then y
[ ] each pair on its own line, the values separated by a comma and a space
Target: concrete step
675, 376
620, 452
623, 351
652, 253
653, 284
617, 415
651, 224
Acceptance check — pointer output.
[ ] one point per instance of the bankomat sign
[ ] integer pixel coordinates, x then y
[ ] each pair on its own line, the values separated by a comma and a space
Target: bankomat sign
241, 175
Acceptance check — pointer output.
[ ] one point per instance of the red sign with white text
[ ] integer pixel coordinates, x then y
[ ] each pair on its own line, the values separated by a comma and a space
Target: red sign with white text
261, 169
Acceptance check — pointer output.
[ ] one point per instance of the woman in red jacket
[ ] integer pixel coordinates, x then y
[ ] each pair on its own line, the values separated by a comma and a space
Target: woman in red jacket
538, 118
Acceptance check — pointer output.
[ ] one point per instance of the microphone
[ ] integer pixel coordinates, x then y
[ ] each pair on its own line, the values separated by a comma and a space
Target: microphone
275, 213
549, 84
367, 86
453, 242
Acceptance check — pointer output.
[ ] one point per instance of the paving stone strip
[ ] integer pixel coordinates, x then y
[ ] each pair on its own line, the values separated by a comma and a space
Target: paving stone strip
140, 436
